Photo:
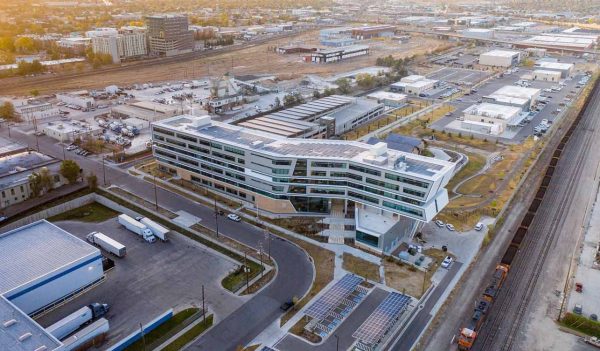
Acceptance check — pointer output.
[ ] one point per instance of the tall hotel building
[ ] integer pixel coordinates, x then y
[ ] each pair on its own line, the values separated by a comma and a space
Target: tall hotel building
389, 193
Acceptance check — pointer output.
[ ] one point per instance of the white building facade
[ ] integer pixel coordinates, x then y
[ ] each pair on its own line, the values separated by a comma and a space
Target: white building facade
500, 58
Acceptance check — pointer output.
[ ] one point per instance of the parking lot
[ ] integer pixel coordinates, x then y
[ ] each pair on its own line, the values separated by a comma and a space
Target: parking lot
151, 279
460, 76
555, 102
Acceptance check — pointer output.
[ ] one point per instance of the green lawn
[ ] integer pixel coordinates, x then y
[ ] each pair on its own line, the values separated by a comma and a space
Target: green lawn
190, 335
237, 279
93, 212
169, 327
581, 324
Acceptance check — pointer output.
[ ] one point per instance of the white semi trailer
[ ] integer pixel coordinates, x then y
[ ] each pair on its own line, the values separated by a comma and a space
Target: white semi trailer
158, 230
137, 227
75, 320
108, 244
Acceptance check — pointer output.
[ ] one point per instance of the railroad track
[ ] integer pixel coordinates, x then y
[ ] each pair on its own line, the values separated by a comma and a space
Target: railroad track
538, 231
37, 81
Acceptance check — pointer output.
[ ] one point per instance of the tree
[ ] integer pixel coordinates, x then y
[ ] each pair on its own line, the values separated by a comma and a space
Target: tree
365, 80
25, 45
46, 181
92, 181
7, 111
35, 184
277, 102
343, 85
70, 170
34, 92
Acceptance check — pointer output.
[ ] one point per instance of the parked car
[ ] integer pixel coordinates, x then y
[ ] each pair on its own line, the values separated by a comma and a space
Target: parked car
234, 217
450, 227
439, 223
479, 227
286, 305
447, 262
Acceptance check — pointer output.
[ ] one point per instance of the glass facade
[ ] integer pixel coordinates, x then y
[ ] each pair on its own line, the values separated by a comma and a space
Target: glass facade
367, 239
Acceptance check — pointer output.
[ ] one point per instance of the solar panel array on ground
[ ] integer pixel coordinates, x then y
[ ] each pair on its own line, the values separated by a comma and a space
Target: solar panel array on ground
381, 320
332, 297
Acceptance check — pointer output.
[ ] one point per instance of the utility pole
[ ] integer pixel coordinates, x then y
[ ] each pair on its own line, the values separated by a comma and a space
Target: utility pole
143, 337
203, 308
155, 194
64, 154
216, 217
103, 170
337, 342
424, 280
247, 272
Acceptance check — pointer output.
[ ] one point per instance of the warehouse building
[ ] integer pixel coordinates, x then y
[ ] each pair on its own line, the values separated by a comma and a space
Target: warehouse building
389, 99
339, 54
489, 118
546, 75
478, 33
145, 110
512, 95
414, 84
369, 32
322, 118
42, 264
78, 98
500, 58
560, 42
290, 176
69, 131
565, 69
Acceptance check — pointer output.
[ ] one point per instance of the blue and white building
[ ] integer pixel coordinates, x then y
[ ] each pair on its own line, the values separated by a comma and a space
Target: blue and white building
290, 176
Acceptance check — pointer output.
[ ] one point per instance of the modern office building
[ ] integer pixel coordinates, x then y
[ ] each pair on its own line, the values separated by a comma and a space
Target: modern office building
500, 58
169, 34
128, 43
307, 176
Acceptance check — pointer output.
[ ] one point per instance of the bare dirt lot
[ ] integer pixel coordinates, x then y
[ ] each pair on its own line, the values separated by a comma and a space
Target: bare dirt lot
259, 59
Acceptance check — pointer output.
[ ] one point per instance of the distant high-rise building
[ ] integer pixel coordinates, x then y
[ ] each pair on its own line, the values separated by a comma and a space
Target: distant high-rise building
127, 43
169, 34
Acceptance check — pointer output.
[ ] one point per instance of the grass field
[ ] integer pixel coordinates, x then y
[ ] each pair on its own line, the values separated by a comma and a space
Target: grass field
93, 212
190, 335
361, 267
406, 279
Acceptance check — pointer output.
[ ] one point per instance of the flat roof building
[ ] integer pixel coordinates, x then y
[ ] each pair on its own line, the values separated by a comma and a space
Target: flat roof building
490, 118
513, 95
565, 69
69, 130
559, 42
413, 84
368, 32
294, 176
546, 75
339, 54
145, 110
500, 58
388, 98
169, 34
42, 264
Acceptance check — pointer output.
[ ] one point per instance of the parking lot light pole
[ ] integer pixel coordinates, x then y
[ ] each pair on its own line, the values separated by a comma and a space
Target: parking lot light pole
337, 342
103, 170
216, 218
64, 154
155, 194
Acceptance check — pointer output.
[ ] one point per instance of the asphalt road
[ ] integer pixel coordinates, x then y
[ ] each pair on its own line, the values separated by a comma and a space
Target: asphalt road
295, 270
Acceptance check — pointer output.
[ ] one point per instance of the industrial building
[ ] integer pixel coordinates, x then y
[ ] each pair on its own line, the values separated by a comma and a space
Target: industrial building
560, 42
512, 95
490, 118
41, 265
322, 118
337, 42
565, 69
69, 131
169, 34
29, 110
369, 32
296, 49
500, 58
17, 164
125, 44
388, 98
546, 75
478, 33
289, 176
78, 98
145, 110
339, 54
414, 84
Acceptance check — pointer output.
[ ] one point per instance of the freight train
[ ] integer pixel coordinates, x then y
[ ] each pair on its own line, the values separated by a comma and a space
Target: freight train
468, 334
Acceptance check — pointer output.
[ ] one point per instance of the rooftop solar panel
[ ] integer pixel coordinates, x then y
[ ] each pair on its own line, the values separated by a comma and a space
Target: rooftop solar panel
332, 297
384, 316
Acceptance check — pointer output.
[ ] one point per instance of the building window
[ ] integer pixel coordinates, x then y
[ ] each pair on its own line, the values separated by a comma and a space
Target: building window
318, 173
367, 239
328, 164
280, 171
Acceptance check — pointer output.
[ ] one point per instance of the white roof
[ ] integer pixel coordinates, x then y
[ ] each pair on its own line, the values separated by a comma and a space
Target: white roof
555, 65
36, 250
516, 92
493, 111
386, 95
501, 53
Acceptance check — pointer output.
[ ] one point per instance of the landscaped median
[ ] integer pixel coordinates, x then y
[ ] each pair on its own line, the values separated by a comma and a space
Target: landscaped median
581, 324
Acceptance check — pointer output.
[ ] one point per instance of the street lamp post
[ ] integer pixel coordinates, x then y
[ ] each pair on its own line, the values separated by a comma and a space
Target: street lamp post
337, 342
103, 170
155, 194
216, 218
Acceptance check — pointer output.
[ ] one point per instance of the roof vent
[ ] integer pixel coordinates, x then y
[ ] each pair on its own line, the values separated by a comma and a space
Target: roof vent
9, 322
199, 122
257, 143
25, 336
41, 348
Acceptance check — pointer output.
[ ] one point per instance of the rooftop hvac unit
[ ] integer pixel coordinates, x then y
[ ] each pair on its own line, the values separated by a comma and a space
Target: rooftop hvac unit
9, 322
